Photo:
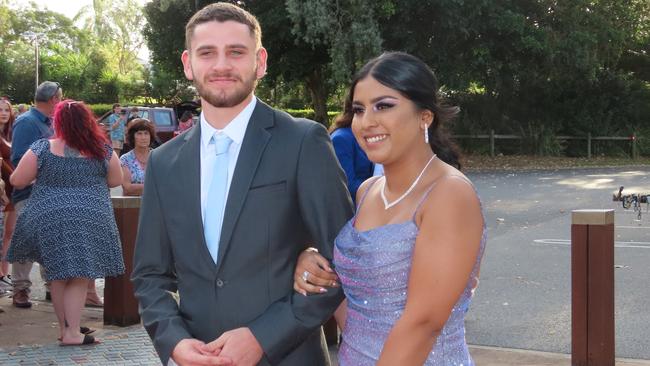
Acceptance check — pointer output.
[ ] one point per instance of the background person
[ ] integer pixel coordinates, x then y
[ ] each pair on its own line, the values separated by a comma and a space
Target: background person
353, 160
68, 224
133, 114
186, 122
116, 123
134, 163
30, 126
409, 260
21, 109
7, 214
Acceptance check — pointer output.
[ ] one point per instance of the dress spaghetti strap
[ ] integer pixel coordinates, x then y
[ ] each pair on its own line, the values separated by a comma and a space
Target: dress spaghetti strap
363, 197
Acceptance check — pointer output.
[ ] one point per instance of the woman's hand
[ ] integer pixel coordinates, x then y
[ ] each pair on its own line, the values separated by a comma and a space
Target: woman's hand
313, 273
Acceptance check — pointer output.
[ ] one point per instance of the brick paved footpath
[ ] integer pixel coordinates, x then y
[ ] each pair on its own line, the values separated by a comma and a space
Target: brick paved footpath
28, 337
130, 346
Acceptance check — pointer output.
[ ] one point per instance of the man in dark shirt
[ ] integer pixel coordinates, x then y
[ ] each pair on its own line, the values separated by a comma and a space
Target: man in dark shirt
30, 126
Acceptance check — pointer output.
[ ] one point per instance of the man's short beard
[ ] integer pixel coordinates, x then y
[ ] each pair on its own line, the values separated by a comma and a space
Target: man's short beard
221, 100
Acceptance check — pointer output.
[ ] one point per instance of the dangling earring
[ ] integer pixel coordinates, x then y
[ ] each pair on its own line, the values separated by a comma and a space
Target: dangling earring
426, 133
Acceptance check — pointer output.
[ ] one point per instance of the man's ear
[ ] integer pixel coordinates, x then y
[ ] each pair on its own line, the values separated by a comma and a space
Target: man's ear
262, 57
187, 65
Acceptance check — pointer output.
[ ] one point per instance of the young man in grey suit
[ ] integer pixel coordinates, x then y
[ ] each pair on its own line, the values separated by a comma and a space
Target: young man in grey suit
228, 207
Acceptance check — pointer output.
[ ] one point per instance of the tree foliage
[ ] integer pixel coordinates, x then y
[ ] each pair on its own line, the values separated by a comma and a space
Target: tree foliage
94, 63
537, 68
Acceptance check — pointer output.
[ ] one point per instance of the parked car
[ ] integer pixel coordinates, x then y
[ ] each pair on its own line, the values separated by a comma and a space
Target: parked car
163, 118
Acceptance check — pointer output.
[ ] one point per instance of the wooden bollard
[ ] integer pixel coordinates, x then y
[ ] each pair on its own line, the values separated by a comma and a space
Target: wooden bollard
592, 288
120, 305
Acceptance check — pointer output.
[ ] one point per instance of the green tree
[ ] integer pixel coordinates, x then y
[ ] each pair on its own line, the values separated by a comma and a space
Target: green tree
87, 67
312, 43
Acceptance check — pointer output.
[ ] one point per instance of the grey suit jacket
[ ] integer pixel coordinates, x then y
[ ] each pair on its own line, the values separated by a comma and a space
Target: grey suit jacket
288, 192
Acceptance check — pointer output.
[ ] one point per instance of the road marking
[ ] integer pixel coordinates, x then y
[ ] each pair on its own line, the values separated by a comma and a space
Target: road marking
618, 244
633, 227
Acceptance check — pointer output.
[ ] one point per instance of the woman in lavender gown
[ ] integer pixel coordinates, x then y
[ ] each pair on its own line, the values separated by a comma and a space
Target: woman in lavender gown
409, 259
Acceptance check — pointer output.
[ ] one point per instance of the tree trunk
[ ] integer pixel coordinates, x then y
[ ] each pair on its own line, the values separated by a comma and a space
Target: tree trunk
318, 90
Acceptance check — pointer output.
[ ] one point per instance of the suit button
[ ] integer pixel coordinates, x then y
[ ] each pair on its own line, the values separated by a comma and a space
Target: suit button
219, 282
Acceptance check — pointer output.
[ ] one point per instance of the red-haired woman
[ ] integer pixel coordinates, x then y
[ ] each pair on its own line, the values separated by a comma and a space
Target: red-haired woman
68, 224
9, 219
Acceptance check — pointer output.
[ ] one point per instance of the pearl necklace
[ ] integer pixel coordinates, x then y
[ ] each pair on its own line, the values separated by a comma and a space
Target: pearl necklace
387, 204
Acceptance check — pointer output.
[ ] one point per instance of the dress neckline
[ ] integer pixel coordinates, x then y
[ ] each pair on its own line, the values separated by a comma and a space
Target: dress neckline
377, 228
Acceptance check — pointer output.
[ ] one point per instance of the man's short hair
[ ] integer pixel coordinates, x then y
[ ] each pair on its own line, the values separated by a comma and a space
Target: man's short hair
116, 105
46, 91
222, 12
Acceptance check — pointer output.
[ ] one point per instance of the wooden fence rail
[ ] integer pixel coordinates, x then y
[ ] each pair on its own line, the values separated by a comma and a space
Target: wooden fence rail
492, 137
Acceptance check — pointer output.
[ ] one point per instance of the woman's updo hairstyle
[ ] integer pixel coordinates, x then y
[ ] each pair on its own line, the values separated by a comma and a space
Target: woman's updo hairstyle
412, 78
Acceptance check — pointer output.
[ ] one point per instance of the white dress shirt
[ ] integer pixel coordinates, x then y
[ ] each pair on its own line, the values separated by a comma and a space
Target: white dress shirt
235, 129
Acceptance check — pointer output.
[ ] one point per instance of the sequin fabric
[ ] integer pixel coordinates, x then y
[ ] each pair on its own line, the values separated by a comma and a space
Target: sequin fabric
373, 267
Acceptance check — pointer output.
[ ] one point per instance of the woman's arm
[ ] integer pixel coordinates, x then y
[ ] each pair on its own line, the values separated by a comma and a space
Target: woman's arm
319, 277
130, 189
446, 247
114, 176
26, 171
341, 314
313, 273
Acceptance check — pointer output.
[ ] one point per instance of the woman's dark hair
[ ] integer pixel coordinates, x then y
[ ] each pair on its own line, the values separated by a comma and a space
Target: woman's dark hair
140, 124
344, 119
412, 78
186, 115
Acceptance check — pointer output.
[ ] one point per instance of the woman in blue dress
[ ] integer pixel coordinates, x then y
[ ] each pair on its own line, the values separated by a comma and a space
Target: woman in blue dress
409, 259
353, 160
68, 224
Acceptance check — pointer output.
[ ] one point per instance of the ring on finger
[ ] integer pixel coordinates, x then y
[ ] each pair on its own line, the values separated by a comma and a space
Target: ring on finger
305, 276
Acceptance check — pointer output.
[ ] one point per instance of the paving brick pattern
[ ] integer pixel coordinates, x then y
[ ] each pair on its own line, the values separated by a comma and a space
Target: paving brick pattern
124, 347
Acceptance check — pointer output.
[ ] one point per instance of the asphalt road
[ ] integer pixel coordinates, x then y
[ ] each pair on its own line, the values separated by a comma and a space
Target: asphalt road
524, 297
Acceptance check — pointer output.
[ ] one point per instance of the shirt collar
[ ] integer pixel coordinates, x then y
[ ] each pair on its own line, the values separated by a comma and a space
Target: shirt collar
38, 114
235, 129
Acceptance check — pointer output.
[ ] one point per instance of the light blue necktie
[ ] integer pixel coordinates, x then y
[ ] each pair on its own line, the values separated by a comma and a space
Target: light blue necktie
217, 195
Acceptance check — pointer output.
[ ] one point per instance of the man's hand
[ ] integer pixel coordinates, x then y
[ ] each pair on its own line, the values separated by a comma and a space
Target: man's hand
238, 345
189, 352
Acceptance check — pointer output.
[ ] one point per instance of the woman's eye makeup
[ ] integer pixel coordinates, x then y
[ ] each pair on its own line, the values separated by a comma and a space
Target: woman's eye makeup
383, 105
357, 110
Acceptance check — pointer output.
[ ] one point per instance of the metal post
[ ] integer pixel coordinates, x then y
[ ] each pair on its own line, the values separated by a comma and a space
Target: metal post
589, 145
592, 288
634, 147
492, 143
36, 54
120, 305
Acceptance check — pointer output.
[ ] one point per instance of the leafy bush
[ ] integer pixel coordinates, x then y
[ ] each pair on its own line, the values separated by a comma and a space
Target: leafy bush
100, 109
309, 114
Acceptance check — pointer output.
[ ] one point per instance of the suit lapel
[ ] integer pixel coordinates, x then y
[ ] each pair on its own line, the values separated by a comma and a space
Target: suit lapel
189, 168
250, 154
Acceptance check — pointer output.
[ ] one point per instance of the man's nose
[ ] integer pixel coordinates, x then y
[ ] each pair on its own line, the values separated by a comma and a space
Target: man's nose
221, 62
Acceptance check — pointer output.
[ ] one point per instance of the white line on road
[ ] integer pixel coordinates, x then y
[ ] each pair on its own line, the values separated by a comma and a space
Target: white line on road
633, 227
618, 244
